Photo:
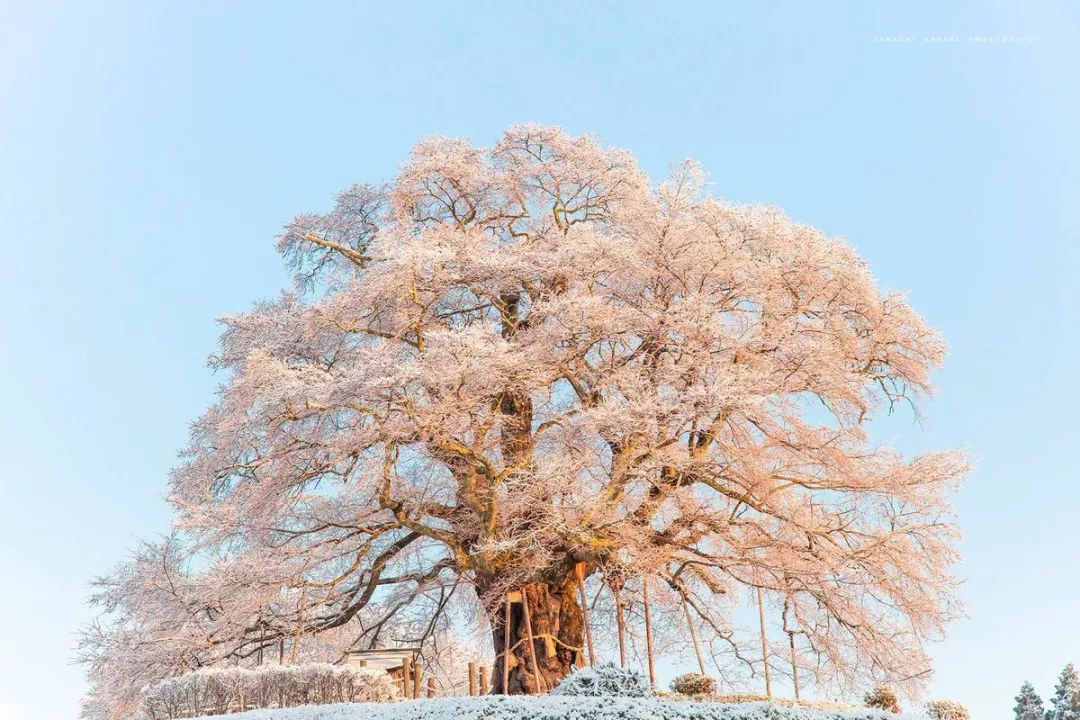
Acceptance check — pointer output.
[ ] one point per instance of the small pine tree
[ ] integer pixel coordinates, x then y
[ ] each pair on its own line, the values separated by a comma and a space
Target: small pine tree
1065, 704
1029, 706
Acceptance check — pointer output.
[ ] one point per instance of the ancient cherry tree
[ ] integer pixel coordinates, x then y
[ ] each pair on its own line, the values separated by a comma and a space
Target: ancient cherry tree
510, 364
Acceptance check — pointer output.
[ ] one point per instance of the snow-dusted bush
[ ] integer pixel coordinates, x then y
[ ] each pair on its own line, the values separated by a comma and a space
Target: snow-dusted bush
693, 684
547, 707
220, 690
604, 680
946, 710
882, 698
831, 706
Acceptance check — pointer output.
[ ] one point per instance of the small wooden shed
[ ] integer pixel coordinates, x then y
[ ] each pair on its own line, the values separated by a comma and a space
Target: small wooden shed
389, 659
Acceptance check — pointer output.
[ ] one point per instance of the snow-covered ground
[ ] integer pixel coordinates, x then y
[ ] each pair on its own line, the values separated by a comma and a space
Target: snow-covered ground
498, 707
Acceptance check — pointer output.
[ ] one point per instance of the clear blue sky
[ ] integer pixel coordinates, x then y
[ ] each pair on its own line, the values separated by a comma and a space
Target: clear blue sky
150, 151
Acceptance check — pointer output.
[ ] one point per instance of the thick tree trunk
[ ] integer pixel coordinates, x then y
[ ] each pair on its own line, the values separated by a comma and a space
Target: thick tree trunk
557, 633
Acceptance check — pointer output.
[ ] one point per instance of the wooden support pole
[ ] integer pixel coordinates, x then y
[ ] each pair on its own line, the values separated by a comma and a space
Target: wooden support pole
417, 672
529, 641
648, 631
620, 621
791, 642
506, 650
431, 687
472, 679
483, 680
579, 570
693, 636
406, 675
794, 665
764, 644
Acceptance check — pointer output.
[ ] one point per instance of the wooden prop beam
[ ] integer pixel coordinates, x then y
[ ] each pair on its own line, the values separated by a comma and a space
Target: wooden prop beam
648, 631
506, 650
529, 641
620, 621
764, 644
794, 665
693, 636
579, 570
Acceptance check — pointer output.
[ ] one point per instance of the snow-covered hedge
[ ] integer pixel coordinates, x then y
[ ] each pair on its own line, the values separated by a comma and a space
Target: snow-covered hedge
499, 707
608, 680
212, 691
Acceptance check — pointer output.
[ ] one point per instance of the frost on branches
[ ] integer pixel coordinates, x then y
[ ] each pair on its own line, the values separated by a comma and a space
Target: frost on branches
510, 361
